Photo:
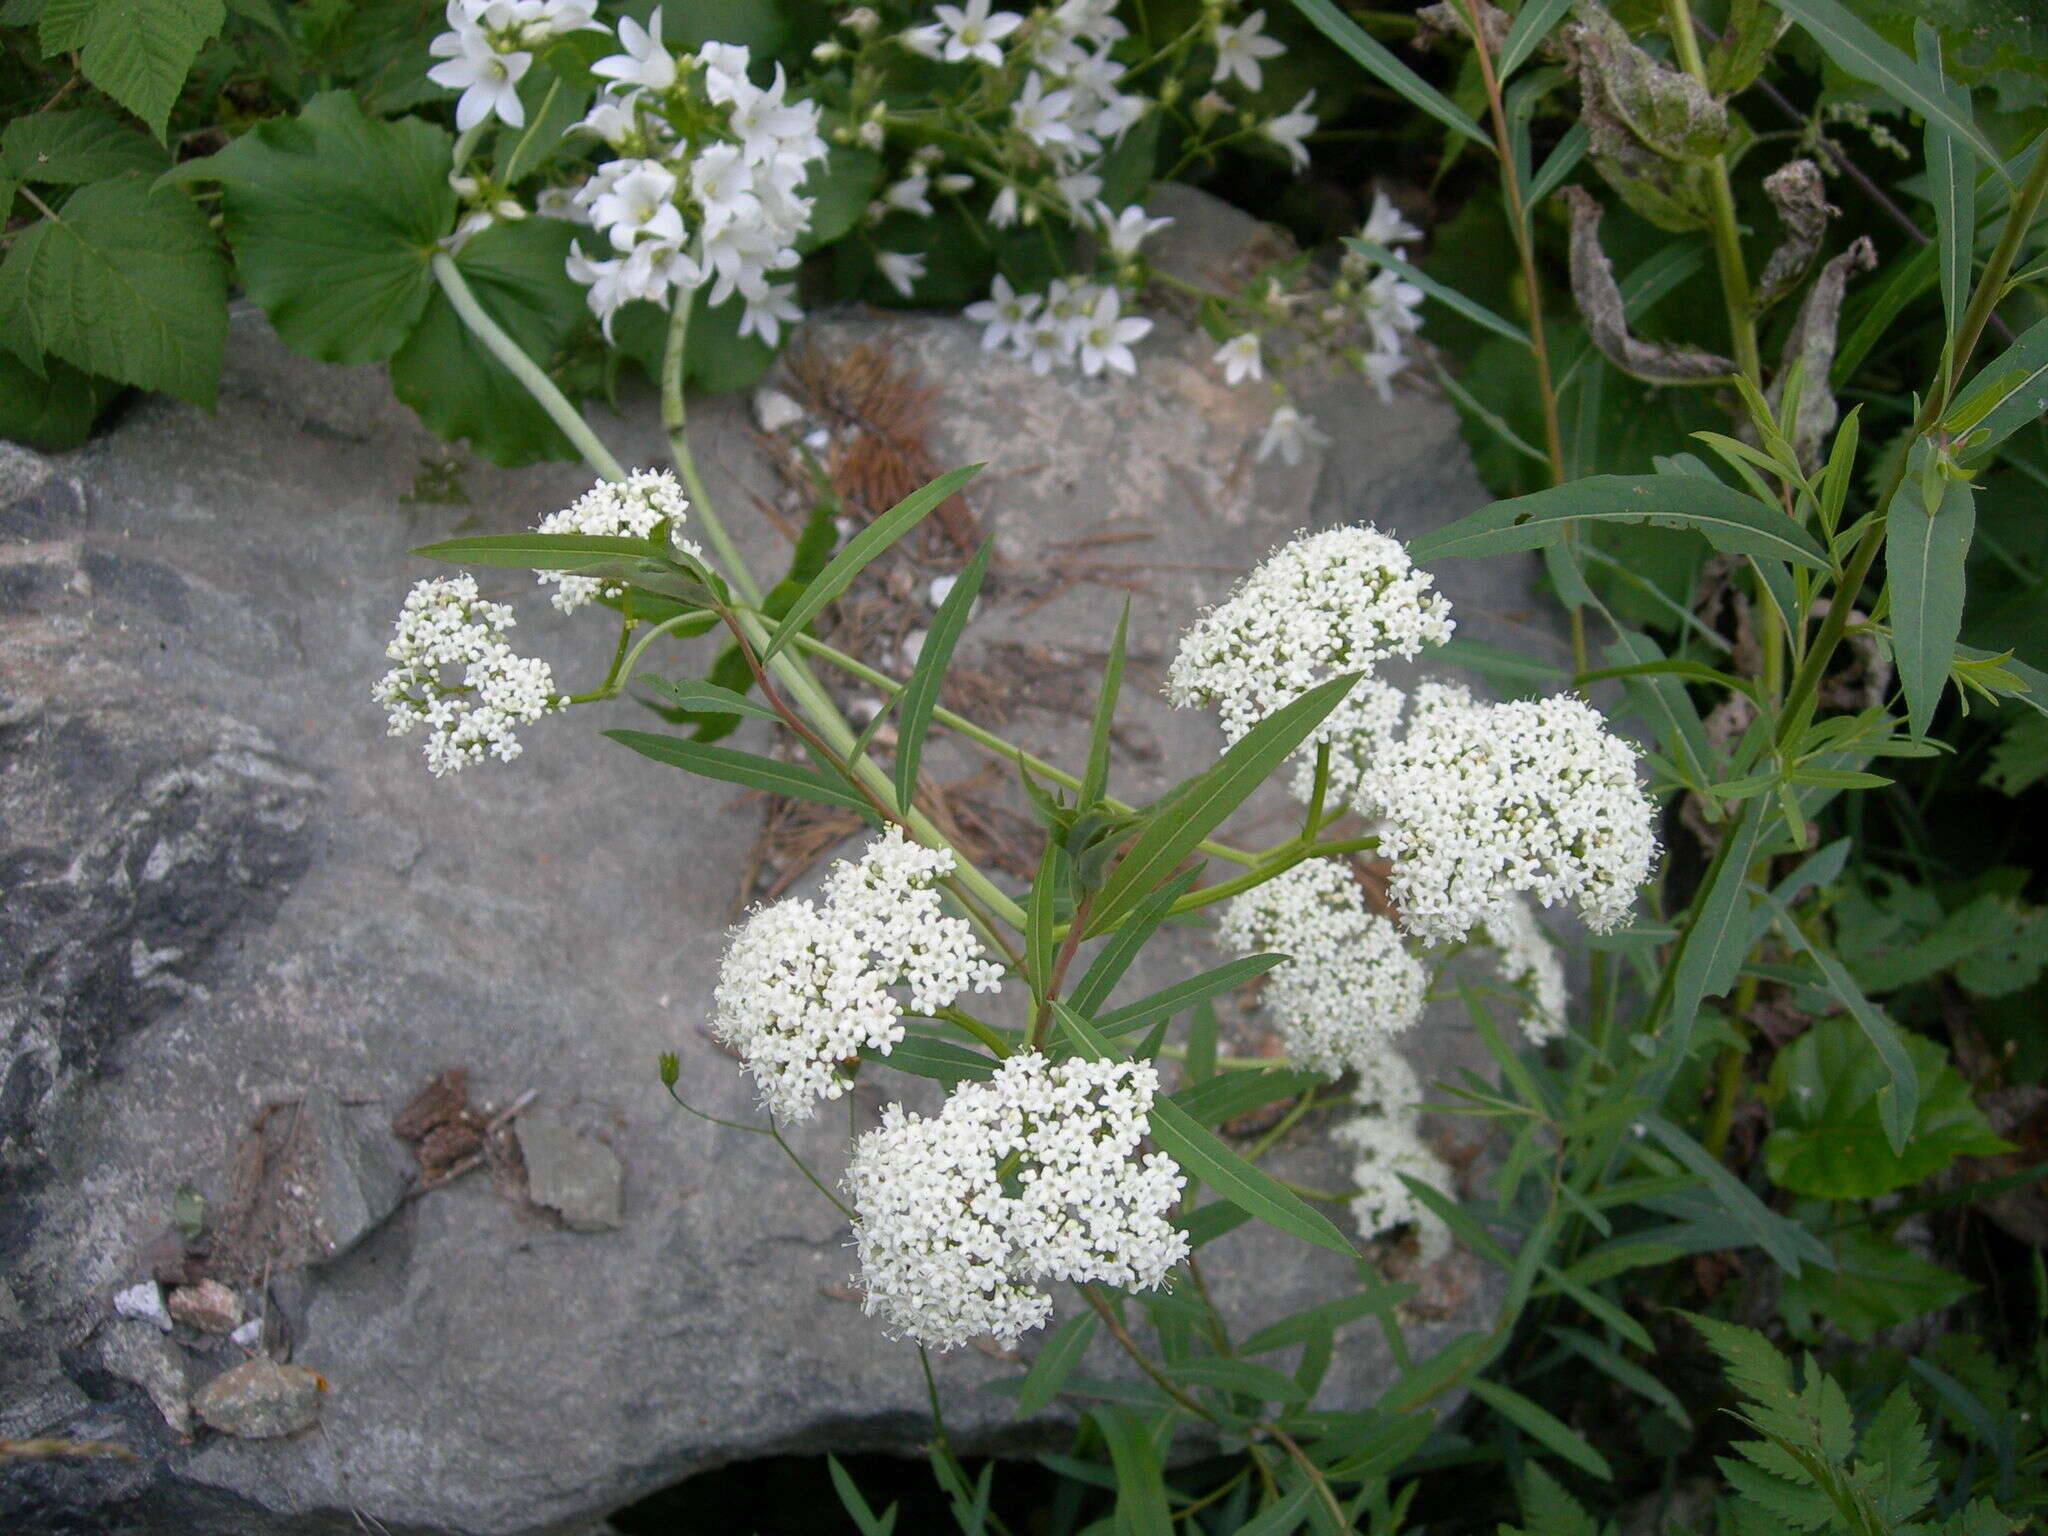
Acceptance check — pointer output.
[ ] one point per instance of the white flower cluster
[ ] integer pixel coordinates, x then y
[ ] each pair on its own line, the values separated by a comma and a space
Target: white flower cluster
1527, 961
489, 47
705, 186
630, 508
1070, 324
1349, 985
1481, 802
1029, 1177
803, 987
1338, 601
1389, 1144
1361, 320
445, 624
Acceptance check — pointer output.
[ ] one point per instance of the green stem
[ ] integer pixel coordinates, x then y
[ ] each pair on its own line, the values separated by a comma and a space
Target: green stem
988, 740
675, 422
1735, 295
523, 368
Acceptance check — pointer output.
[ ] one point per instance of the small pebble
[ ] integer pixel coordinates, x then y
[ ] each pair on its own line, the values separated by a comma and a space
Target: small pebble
773, 410
249, 1335
144, 1302
260, 1399
208, 1306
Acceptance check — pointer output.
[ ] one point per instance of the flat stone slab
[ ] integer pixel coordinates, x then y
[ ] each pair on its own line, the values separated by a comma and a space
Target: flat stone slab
236, 892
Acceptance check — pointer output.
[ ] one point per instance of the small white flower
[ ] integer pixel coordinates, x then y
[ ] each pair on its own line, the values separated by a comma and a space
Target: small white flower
903, 269
1529, 962
1033, 1176
1041, 115
804, 987
972, 33
1105, 338
766, 315
1380, 369
1348, 986
908, 195
1481, 802
645, 62
1385, 226
1239, 48
641, 202
1391, 304
1005, 314
445, 625
629, 508
1002, 212
1291, 127
1240, 359
488, 80
1287, 432
929, 40
1124, 232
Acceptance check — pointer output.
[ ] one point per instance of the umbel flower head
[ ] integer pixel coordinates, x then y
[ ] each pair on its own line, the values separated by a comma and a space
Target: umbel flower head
1349, 986
443, 626
1031, 1176
1339, 601
1479, 803
1526, 960
1388, 1146
804, 987
630, 508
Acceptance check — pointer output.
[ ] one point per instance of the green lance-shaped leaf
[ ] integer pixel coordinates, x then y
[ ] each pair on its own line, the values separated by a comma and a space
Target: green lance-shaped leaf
1381, 64
1095, 778
334, 217
1378, 1300
1732, 522
1859, 51
921, 694
745, 768
1041, 918
700, 698
125, 282
1231, 1094
1542, 1426
137, 51
940, 1060
1141, 1504
1168, 1001
1200, 806
1201, 1156
1786, 1241
1261, 1382
1443, 293
2010, 392
1123, 946
1925, 554
1952, 180
1057, 1357
543, 551
862, 548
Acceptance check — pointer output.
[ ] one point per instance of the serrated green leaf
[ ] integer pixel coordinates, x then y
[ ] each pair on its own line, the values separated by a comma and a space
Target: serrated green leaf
745, 768
76, 146
137, 51
53, 412
126, 282
1201, 805
1877, 1283
333, 217
920, 695
1730, 521
1924, 559
861, 549
1057, 1357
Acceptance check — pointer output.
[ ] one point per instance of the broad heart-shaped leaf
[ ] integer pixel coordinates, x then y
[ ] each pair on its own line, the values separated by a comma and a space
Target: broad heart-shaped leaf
1199, 806
334, 217
137, 51
71, 148
1733, 523
448, 376
1831, 1143
1924, 557
1878, 1283
127, 282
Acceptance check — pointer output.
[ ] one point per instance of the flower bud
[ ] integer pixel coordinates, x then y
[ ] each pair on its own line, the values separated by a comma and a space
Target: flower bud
827, 51
870, 134
861, 21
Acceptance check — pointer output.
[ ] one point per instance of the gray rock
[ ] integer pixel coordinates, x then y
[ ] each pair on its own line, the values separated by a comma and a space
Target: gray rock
576, 1176
358, 1178
222, 886
143, 1303
135, 1351
260, 1400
